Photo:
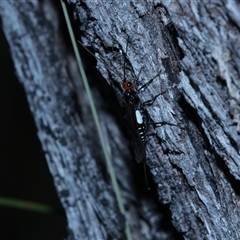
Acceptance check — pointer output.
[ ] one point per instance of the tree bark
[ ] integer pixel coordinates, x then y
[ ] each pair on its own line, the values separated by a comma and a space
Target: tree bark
190, 51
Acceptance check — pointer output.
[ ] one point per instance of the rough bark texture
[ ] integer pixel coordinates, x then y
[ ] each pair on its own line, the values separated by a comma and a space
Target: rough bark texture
195, 165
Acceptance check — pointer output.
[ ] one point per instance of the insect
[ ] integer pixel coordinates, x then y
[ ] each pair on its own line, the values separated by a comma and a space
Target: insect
137, 119
136, 115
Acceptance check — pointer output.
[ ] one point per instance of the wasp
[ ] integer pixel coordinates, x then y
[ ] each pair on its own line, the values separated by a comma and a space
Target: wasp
135, 114
136, 117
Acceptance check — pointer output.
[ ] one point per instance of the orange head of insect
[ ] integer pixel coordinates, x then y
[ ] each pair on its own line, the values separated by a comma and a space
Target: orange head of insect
127, 85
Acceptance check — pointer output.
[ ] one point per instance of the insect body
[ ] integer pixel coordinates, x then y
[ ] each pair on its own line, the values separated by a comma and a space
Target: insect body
136, 117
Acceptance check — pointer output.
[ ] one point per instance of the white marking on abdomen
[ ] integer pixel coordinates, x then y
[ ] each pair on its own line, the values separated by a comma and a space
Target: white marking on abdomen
139, 117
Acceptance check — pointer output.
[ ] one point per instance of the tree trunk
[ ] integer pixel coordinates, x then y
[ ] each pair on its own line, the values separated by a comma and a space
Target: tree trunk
187, 55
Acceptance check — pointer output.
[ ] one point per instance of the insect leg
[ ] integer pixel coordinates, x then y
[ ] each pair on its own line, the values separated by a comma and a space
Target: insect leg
150, 102
146, 84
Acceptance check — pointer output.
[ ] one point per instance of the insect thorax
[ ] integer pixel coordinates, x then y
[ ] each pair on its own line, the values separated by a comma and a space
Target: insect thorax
130, 97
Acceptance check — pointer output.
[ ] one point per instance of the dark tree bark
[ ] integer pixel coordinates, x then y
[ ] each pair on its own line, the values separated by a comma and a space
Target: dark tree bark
190, 49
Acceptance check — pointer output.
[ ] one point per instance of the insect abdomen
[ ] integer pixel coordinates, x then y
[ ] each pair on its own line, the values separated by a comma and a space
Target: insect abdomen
141, 124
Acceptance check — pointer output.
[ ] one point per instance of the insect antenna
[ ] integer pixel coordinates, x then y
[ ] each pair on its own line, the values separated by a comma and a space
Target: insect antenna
89, 51
124, 64
101, 59
126, 85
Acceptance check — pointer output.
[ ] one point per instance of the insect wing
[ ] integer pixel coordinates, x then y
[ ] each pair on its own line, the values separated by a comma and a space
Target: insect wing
135, 138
